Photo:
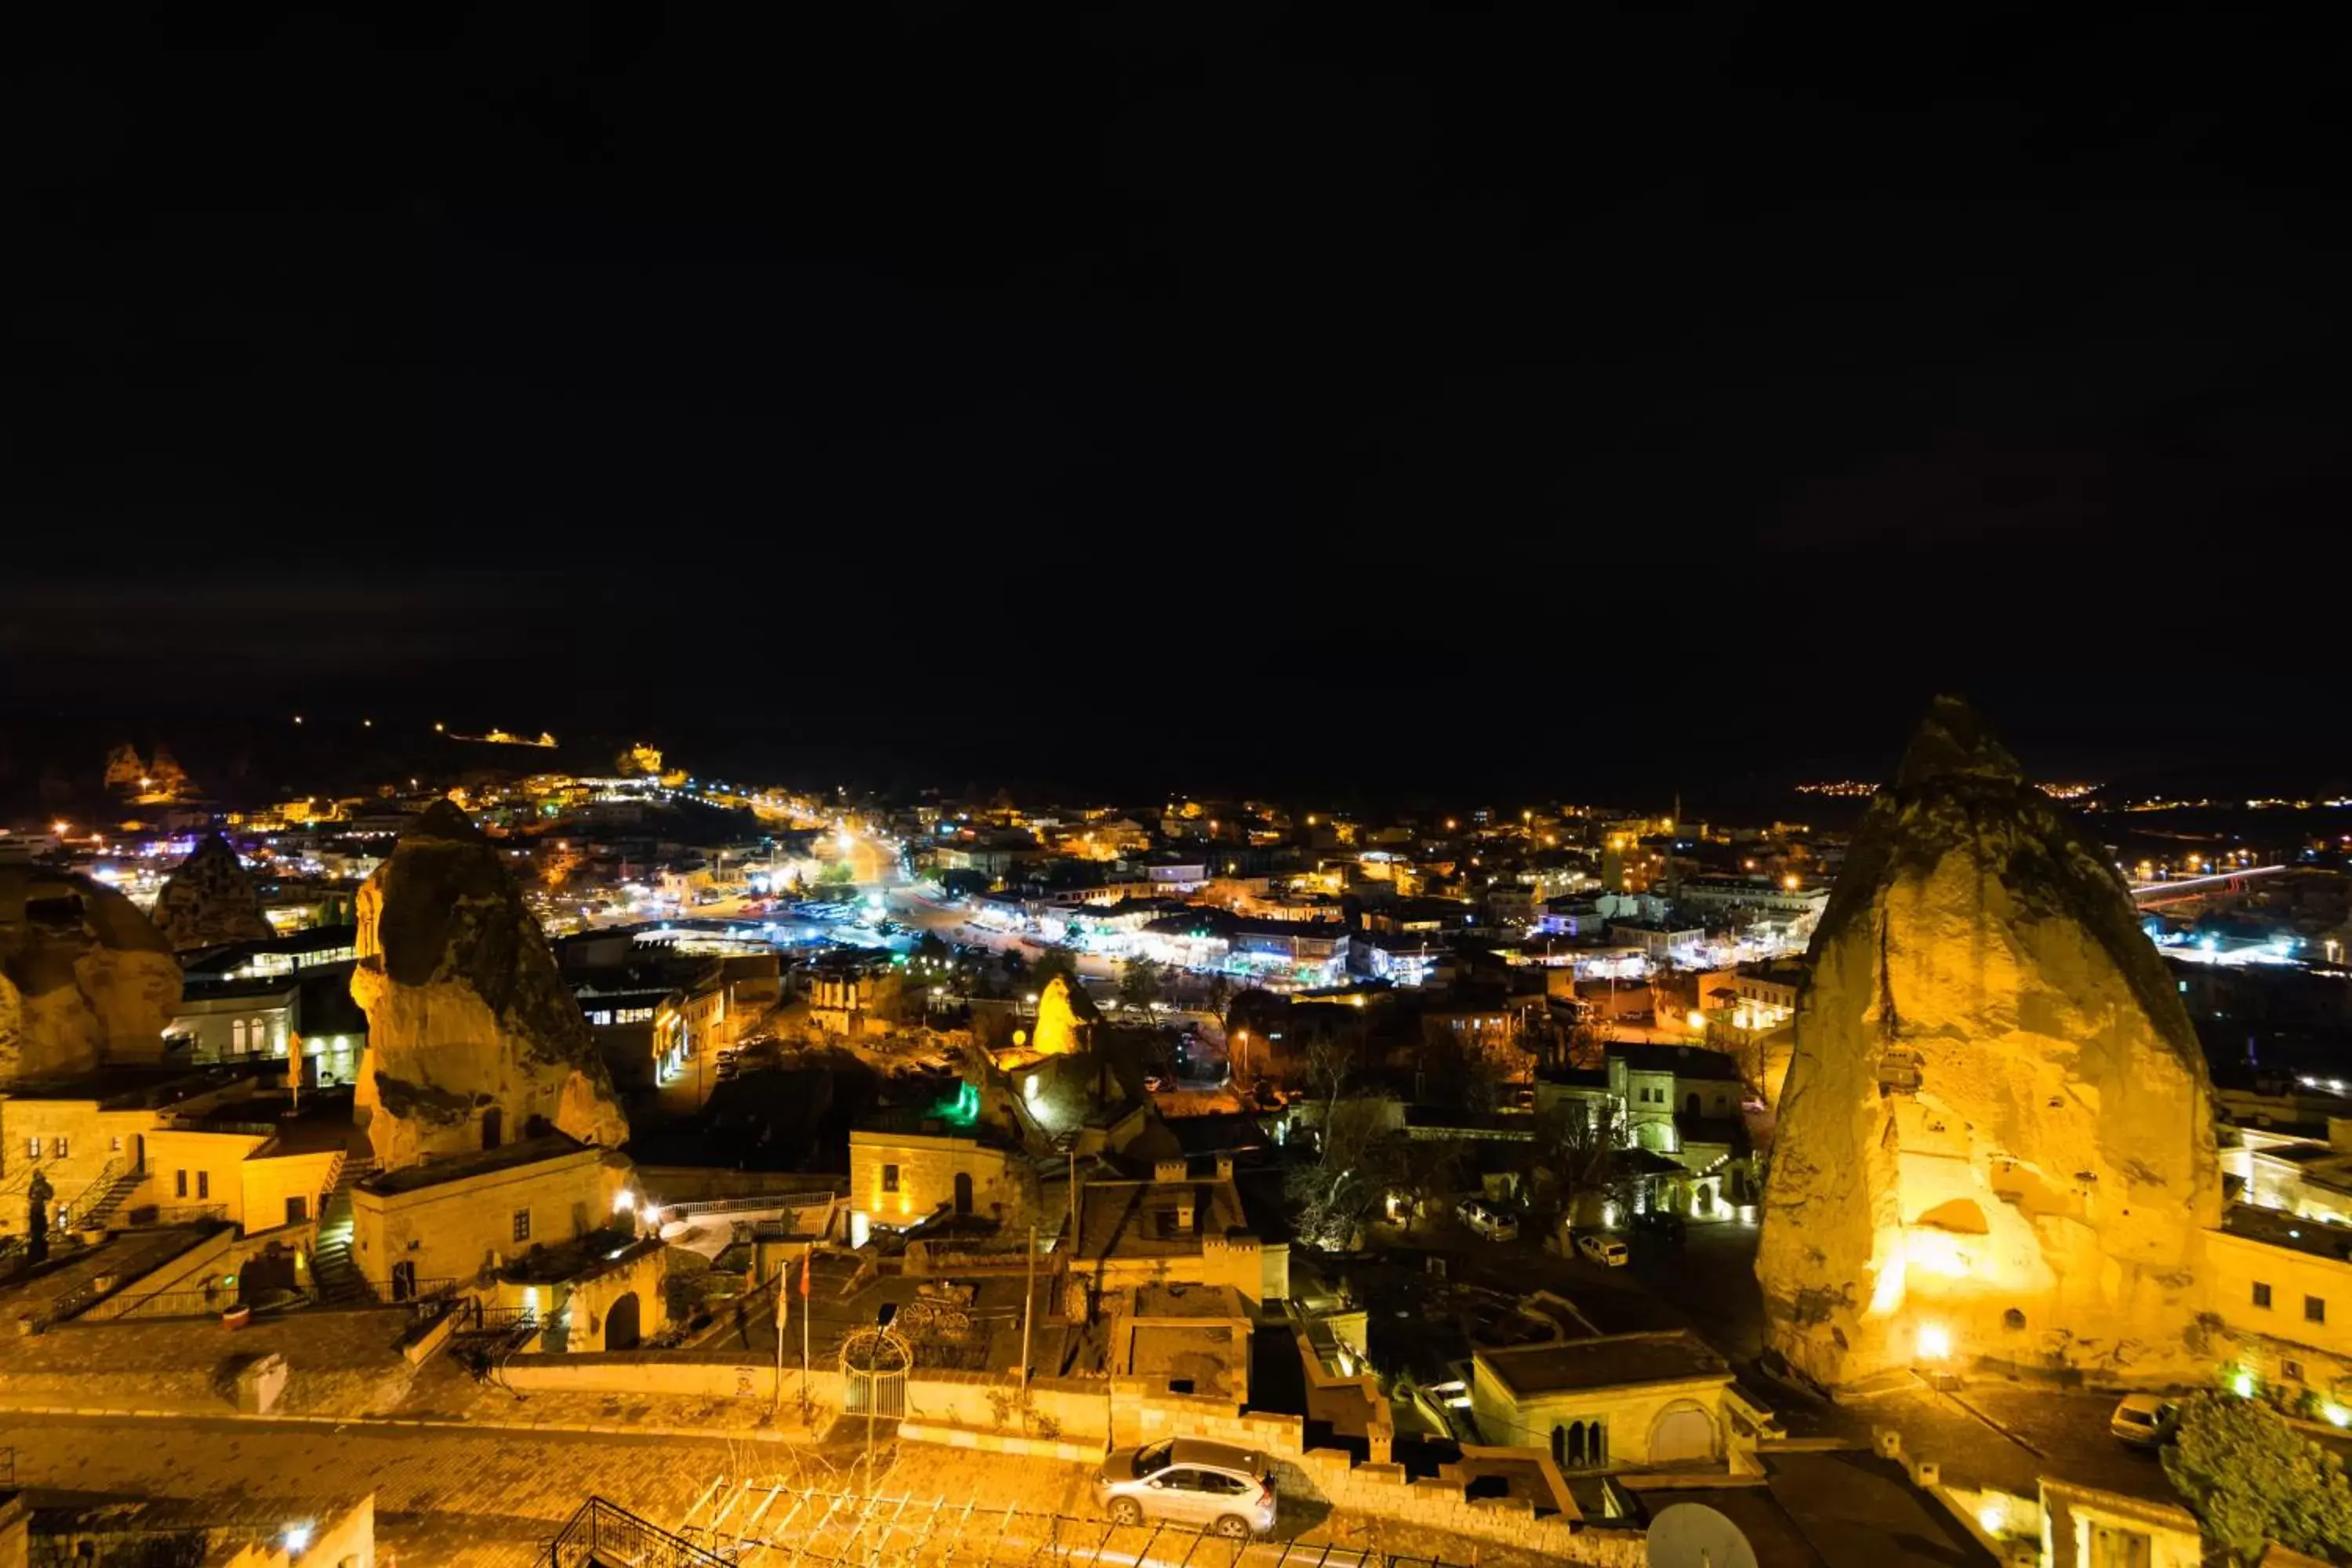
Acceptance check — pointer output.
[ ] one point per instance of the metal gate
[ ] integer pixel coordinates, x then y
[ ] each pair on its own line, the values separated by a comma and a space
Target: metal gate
874, 1366
880, 1395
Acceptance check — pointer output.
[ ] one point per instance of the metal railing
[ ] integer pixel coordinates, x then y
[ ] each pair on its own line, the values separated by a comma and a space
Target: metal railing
100, 1188
474, 1317
210, 1300
800, 1200
200, 1303
400, 1293
603, 1533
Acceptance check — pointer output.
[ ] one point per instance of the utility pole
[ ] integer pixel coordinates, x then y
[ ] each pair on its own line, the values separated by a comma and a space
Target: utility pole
1028, 1312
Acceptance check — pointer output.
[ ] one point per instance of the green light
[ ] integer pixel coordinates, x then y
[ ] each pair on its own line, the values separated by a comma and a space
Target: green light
962, 1107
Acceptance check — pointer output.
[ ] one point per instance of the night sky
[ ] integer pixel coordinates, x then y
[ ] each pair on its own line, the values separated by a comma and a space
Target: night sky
1508, 399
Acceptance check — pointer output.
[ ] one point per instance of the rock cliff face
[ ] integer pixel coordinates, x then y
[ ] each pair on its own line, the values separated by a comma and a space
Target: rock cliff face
472, 1038
1058, 1030
1996, 1138
85, 979
210, 901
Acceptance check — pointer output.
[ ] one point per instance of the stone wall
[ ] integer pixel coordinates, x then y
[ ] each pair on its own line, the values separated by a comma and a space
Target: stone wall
452, 1229
1432, 1504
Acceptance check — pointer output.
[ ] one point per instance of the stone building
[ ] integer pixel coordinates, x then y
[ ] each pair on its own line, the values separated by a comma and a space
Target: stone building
1996, 1139
465, 1217
905, 1167
1624, 1401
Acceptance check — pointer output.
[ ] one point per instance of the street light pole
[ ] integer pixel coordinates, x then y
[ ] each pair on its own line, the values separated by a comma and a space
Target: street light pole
1028, 1312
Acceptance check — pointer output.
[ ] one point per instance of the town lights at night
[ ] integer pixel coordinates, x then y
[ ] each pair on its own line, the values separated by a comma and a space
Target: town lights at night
1256, 853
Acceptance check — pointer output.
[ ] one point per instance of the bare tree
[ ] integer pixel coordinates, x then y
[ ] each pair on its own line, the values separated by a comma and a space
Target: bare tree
1358, 1149
1584, 1140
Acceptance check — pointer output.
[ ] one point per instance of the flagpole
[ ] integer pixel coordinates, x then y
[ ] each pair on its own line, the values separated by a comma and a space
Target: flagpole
783, 1307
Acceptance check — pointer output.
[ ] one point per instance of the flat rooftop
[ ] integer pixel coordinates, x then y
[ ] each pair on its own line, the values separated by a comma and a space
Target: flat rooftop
2276, 1227
1210, 1301
1613, 1361
126, 1088
480, 1163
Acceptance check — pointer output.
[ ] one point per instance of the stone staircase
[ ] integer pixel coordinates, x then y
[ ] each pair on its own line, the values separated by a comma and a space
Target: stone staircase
105, 1196
333, 1274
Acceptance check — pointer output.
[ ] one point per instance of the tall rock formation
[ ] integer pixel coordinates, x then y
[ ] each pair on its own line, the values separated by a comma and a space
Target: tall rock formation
1996, 1137
85, 978
210, 901
472, 1038
125, 770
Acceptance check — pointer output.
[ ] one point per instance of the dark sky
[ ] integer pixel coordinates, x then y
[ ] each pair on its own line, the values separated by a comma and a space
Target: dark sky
1508, 396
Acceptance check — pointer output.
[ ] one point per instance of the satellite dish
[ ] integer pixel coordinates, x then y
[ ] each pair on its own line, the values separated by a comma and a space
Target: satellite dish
1693, 1535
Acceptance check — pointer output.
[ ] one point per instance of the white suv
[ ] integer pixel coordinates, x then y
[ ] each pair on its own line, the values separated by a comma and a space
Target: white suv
1602, 1248
1213, 1486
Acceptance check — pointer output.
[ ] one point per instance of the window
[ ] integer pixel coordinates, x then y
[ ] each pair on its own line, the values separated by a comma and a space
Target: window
32, 1148
56, 1148
204, 1185
2315, 1310
522, 1225
2262, 1296
179, 1184
2292, 1371
114, 1144
889, 1178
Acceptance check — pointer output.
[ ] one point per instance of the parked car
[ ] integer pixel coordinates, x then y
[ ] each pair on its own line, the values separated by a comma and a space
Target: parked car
1662, 1224
1215, 1487
1488, 1221
1602, 1248
2146, 1420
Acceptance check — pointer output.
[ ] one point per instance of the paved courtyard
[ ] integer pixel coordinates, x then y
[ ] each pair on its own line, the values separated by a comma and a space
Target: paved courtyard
491, 1498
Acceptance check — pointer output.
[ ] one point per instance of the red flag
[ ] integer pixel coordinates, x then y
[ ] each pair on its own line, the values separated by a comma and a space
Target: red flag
808, 1268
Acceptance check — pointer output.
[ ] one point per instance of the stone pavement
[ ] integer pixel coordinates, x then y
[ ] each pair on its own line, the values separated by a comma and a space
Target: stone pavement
442, 1495
476, 1498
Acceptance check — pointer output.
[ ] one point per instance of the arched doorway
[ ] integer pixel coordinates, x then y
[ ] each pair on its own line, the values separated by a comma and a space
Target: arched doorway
964, 1193
1683, 1431
404, 1281
621, 1324
493, 1127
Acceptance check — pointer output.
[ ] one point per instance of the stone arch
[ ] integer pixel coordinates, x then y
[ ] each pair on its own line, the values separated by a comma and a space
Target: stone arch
621, 1331
1579, 1445
1684, 1430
